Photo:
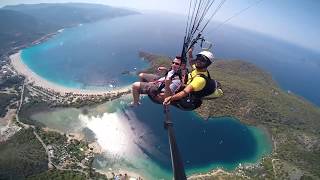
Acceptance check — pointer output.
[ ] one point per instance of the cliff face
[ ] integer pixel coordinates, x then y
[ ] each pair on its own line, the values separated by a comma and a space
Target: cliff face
251, 96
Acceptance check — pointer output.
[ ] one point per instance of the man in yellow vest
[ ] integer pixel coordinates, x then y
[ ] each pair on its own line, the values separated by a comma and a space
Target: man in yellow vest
197, 79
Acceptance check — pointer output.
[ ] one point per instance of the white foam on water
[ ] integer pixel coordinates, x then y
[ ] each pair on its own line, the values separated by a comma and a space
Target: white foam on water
120, 136
112, 133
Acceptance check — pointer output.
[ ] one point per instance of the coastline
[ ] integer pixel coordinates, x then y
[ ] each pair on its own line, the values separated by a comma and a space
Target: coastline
116, 174
36, 80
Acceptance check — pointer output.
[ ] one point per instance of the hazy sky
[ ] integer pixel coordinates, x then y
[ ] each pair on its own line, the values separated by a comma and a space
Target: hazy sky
296, 21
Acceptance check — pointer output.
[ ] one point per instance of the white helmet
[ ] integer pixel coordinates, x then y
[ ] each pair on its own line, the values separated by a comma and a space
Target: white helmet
207, 54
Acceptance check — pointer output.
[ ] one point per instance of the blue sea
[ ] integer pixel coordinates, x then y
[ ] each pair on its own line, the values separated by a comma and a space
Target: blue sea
95, 55
216, 142
134, 139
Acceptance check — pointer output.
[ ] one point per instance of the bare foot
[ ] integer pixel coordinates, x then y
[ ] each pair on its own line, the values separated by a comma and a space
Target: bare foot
133, 104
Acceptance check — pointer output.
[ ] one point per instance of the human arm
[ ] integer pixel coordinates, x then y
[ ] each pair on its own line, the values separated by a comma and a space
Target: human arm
161, 68
197, 84
190, 57
167, 82
167, 89
188, 89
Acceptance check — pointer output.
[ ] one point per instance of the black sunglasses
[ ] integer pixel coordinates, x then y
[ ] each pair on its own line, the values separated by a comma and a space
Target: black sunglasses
176, 63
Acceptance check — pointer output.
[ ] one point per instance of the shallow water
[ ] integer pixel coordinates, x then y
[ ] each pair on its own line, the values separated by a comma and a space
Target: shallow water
95, 55
135, 140
99, 55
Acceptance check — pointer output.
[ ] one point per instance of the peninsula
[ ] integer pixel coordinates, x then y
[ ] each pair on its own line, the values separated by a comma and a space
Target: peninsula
252, 97
28, 150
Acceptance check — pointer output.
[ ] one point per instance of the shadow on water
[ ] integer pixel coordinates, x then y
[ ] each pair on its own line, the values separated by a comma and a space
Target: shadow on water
134, 139
219, 142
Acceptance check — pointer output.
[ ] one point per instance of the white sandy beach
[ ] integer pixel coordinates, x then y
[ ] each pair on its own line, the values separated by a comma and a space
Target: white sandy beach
32, 77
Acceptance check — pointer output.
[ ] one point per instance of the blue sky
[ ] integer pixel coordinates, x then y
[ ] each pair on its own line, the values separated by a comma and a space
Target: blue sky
295, 21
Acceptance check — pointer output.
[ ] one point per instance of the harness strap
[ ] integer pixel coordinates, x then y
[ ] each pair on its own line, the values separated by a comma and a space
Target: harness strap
162, 85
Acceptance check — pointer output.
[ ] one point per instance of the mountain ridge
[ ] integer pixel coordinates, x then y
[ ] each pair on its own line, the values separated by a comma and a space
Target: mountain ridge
26, 23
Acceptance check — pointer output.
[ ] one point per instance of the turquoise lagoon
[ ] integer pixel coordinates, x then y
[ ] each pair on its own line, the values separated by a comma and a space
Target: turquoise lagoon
134, 138
95, 55
102, 54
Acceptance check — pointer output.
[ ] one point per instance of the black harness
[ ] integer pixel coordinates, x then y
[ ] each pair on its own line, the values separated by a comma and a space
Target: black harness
176, 74
194, 99
208, 89
154, 92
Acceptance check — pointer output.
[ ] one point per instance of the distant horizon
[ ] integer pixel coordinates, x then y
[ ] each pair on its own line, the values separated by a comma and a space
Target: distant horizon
304, 46
287, 21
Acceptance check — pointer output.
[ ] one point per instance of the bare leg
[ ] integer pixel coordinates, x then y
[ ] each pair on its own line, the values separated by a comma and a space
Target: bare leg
160, 97
135, 93
141, 76
146, 77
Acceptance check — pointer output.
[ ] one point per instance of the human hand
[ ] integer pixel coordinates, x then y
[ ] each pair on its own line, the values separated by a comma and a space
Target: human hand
190, 52
161, 68
167, 100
